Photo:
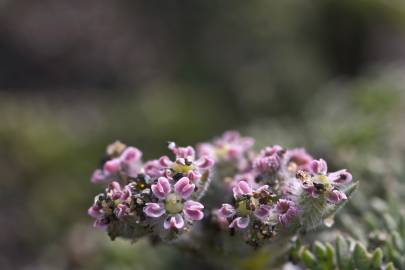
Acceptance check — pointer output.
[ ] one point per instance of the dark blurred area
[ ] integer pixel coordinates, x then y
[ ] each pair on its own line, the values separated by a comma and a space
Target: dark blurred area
77, 75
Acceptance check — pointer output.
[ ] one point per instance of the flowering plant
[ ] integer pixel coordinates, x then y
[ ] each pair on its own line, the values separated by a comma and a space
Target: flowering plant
224, 187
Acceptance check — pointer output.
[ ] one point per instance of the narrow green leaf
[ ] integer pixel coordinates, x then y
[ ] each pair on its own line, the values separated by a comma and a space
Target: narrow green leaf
376, 259
319, 250
360, 257
309, 259
390, 266
398, 241
330, 255
342, 253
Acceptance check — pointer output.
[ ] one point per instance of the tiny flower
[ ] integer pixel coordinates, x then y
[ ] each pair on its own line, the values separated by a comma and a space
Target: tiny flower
340, 177
230, 146
154, 210
121, 210
174, 222
184, 188
299, 157
153, 168
98, 176
165, 161
130, 155
241, 188
262, 211
114, 190
95, 211
162, 188
112, 166
318, 166
204, 162
193, 210
182, 152
240, 222
336, 196
226, 211
286, 210
126, 193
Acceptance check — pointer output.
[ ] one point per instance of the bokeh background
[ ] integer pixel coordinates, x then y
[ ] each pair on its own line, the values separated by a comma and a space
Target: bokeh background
77, 75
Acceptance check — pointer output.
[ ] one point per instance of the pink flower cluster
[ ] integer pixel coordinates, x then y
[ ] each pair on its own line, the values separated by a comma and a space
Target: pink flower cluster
161, 193
274, 190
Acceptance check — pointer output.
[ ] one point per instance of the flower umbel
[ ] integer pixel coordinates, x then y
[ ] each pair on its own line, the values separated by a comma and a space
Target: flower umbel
260, 196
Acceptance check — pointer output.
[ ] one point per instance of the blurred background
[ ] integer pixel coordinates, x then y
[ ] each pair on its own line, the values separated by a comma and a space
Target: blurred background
77, 75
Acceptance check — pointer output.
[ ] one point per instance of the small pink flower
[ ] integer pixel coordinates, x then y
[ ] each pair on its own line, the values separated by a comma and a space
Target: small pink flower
193, 210
165, 161
318, 166
340, 177
174, 222
114, 190
126, 193
98, 176
263, 211
241, 188
184, 188
95, 211
182, 152
271, 151
286, 210
153, 168
161, 188
204, 162
154, 210
267, 163
130, 155
226, 211
240, 222
299, 156
121, 210
193, 175
112, 166
336, 196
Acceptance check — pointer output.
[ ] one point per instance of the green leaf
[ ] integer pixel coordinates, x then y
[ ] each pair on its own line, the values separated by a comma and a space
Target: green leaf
342, 253
360, 257
309, 259
390, 266
398, 241
330, 254
376, 259
320, 250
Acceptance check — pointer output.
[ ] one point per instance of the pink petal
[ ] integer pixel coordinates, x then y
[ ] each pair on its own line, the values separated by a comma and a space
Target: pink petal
336, 196
95, 211
340, 177
165, 161
161, 188
154, 210
130, 155
318, 166
193, 176
240, 222
226, 211
204, 162
184, 188
98, 176
263, 211
193, 210
175, 221
241, 188
112, 166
